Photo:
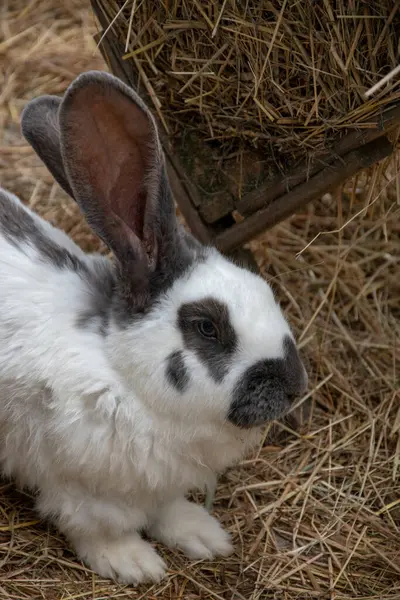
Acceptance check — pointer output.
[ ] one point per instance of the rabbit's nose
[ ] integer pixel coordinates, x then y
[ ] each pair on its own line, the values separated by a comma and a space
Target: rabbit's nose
268, 388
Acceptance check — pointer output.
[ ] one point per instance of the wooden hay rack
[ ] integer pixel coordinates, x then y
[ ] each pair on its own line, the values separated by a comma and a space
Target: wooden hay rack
214, 219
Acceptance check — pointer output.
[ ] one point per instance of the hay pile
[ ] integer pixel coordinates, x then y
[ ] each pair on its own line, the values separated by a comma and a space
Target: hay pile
248, 89
315, 513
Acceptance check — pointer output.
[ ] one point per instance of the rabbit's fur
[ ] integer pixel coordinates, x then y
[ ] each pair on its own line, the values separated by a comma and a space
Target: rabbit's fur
125, 385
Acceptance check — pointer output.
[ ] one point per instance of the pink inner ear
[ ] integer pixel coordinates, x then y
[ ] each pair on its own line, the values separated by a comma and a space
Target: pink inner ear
114, 137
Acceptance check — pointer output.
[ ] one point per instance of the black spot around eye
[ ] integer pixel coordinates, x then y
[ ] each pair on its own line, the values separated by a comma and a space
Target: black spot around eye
216, 356
207, 329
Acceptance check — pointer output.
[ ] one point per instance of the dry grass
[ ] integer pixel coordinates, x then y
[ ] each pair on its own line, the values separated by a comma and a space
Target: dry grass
315, 513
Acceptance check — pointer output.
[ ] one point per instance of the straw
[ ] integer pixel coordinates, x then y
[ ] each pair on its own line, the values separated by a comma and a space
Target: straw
382, 82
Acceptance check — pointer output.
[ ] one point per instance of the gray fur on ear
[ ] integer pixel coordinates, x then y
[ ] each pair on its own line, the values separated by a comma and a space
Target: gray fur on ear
40, 127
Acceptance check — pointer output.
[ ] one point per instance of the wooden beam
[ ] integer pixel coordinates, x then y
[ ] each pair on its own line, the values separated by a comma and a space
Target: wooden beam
267, 193
283, 207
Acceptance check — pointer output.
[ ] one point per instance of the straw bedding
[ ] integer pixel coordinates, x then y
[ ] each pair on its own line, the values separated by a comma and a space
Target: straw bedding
247, 89
315, 512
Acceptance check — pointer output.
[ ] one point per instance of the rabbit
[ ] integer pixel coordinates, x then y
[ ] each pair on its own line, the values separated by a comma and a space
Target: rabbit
126, 384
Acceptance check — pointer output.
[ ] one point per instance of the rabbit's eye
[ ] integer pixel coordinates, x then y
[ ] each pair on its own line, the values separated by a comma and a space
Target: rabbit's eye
207, 329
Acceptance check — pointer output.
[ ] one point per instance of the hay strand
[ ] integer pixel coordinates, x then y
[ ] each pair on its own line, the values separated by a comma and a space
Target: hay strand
382, 82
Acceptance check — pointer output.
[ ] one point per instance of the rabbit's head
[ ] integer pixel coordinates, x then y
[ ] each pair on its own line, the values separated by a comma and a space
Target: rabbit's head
198, 336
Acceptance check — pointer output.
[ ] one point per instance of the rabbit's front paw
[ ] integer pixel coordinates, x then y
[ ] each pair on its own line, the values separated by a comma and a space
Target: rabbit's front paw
129, 560
192, 529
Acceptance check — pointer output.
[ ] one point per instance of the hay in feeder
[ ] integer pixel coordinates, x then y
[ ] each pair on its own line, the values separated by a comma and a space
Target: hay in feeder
247, 90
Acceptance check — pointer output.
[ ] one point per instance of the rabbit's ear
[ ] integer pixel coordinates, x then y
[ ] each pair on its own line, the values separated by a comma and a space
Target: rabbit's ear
114, 162
39, 124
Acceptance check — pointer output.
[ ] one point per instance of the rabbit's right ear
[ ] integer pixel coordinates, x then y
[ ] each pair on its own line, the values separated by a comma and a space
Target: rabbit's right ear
115, 165
40, 127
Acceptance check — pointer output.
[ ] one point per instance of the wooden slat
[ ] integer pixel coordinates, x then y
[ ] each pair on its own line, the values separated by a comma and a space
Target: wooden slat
267, 193
283, 207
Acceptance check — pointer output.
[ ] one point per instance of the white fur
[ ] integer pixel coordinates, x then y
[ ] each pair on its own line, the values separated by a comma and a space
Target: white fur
92, 422
129, 559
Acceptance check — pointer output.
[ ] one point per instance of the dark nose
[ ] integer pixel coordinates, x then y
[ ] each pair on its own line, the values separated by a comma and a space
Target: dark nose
268, 388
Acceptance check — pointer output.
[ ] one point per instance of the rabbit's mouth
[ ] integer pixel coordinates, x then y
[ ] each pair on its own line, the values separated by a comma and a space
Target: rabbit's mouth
268, 388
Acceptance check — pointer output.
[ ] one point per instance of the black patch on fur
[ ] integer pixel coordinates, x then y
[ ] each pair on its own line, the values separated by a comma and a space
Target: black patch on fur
18, 227
268, 388
215, 354
176, 372
96, 316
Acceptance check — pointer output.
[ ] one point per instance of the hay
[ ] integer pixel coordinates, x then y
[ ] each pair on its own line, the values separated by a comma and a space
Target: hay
259, 86
315, 512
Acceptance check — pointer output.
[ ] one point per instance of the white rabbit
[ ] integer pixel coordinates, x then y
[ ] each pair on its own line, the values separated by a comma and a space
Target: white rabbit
125, 385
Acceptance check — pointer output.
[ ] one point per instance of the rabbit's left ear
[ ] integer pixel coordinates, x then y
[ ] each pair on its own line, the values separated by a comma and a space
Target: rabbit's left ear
39, 125
114, 163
